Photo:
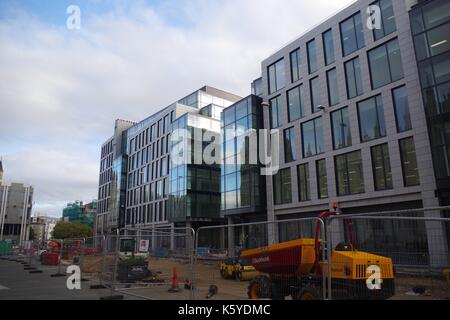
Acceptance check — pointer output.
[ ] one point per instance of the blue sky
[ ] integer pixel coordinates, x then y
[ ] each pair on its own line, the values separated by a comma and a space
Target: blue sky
61, 90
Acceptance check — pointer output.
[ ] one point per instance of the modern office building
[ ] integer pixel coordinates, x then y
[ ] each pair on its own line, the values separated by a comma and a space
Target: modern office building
347, 100
242, 185
136, 173
16, 200
112, 180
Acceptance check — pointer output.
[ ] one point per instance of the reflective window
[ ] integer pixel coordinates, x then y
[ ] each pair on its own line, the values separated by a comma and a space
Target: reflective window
333, 87
385, 64
352, 34
328, 47
312, 136
340, 124
440, 140
349, 173
387, 19
290, 145
436, 13
303, 182
282, 187
275, 112
295, 103
295, 65
314, 87
353, 78
381, 166
401, 105
312, 56
322, 182
409, 162
276, 73
371, 119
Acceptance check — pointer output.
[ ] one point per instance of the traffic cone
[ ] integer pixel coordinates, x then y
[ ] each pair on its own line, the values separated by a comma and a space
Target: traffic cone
174, 287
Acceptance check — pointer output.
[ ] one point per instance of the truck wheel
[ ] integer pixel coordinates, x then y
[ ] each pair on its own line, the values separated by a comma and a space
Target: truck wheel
308, 293
260, 288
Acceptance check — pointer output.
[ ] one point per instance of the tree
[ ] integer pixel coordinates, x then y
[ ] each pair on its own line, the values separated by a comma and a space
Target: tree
71, 230
32, 236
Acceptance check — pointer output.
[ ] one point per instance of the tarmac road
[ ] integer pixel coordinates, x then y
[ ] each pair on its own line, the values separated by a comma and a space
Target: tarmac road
18, 284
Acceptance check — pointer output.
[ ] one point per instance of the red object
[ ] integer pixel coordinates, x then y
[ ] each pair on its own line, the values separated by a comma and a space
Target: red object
174, 278
50, 258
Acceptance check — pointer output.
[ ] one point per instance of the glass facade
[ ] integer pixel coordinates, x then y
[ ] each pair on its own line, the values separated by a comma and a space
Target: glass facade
333, 87
276, 112
277, 75
282, 187
385, 64
388, 25
340, 124
311, 49
430, 25
295, 65
352, 34
314, 87
296, 104
290, 145
242, 186
371, 119
353, 78
303, 182
381, 166
401, 105
322, 180
312, 136
349, 174
328, 47
409, 162
194, 191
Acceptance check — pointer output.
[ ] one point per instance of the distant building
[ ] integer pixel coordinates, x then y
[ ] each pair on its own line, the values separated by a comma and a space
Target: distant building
79, 212
48, 224
15, 210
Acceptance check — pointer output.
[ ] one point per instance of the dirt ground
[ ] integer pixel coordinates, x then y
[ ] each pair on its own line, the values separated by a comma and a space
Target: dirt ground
206, 273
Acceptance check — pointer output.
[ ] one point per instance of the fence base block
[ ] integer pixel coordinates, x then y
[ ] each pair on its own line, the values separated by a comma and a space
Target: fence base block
58, 275
97, 287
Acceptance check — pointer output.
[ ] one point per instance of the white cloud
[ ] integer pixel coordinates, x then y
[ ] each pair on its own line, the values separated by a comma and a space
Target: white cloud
60, 91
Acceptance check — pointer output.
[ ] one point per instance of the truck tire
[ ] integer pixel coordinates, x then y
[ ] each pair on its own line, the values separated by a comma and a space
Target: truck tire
309, 293
260, 288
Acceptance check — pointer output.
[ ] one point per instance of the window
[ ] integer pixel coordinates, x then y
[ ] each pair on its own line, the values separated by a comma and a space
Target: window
276, 76
295, 65
409, 162
352, 34
353, 78
349, 174
303, 182
322, 183
340, 124
433, 42
381, 166
312, 135
312, 56
333, 87
295, 103
371, 119
385, 64
401, 105
275, 112
282, 187
290, 145
328, 47
440, 139
314, 87
387, 19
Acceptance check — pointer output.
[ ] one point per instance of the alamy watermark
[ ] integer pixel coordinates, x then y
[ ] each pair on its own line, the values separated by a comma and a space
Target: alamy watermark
73, 21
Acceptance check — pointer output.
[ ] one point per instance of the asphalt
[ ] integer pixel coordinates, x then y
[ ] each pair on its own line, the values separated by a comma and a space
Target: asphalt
19, 284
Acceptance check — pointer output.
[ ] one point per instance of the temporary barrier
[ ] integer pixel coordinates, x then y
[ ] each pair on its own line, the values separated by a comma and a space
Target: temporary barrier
248, 261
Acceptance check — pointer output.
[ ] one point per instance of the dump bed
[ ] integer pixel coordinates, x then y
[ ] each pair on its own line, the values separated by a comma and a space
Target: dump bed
284, 258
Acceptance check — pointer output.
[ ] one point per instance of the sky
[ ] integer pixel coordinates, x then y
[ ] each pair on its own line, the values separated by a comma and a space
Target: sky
61, 89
